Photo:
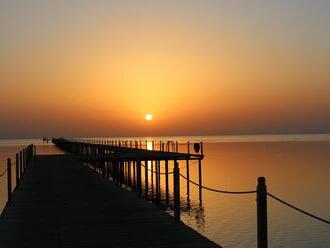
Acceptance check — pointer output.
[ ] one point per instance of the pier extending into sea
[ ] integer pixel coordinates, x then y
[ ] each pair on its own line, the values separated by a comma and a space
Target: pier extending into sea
68, 200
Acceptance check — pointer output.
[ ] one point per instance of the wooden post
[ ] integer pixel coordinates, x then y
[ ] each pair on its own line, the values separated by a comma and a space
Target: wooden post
121, 163
188, 146
200, 179
146, 179
166, 179
262, 213
188, 177
110, 169
20, 164
176, 184
152, 178
157, 181
114, 170
202, 152
17, 169
9, 179
138, 176
129, 173
104, 171
24, 160
125, 172
134, 174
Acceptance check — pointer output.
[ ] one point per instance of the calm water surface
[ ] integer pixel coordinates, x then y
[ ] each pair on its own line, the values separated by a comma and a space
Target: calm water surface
296, 167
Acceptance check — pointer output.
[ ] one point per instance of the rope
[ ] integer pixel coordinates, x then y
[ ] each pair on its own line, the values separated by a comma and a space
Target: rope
298, 209
3, 160
161, 173
3, 173
217, 190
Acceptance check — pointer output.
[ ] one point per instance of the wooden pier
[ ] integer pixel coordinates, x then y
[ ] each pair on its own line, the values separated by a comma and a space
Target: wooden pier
123, 161
63, 202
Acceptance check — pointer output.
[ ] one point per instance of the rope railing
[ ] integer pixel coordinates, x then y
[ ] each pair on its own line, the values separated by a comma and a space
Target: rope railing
164, 173
218, 190
4, 160
298, 209
3, 173
160, 173
254, 191
21, 161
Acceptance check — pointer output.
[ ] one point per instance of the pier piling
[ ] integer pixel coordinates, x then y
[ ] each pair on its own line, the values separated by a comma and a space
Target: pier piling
262, 213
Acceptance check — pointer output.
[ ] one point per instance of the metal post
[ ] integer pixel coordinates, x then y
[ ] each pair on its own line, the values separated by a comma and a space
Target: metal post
262, 213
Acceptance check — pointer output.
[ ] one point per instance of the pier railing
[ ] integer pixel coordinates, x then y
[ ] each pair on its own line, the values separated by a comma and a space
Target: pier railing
137, 164
261, 196
117, 166
161, 145
19, 165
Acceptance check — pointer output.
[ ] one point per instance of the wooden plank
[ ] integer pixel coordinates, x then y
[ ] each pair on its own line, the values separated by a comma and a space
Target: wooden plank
61, 203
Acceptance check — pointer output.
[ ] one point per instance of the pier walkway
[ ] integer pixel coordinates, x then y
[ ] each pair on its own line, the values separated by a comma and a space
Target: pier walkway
62, 203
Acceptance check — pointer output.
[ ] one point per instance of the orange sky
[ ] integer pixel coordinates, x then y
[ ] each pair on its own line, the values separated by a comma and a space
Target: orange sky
92, 69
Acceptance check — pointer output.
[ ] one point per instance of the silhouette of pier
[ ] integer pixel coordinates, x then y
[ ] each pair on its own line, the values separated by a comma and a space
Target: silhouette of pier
69, 201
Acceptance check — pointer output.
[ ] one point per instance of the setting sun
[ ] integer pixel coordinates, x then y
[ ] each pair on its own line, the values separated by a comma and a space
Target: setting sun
148, 117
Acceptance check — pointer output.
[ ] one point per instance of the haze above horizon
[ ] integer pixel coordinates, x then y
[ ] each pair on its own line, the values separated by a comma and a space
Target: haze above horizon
97, 68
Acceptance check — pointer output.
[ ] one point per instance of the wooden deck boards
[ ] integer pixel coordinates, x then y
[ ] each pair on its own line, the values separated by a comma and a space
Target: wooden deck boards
61, 203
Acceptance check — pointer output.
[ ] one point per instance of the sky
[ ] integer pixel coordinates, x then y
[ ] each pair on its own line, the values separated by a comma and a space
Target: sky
79, 68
